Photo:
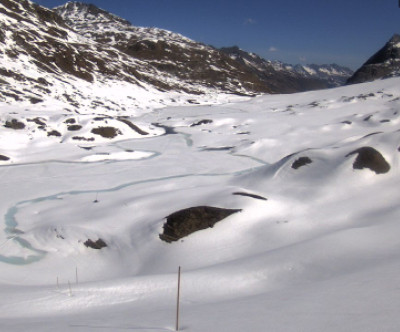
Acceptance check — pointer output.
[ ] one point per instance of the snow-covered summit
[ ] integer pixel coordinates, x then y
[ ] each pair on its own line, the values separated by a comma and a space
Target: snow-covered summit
81, 12
96, 23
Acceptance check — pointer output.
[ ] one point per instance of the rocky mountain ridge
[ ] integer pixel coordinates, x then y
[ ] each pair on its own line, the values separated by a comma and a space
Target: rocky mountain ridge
190, 59
383, 64
170, 53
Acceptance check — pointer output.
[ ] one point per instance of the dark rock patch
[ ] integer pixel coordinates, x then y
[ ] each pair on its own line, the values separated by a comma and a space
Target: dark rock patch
346, 122
106, 132
101, 118
54, 133
38, 121
4, 158
95, 244
74, 127
14, 124
70, 121
201, 122
133, 126
35, 100
187, 221
250, 195
81, 138
370, 158
302, 161
314, 104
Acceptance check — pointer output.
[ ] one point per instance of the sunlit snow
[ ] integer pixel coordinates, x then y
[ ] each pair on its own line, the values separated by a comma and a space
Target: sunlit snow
319, 253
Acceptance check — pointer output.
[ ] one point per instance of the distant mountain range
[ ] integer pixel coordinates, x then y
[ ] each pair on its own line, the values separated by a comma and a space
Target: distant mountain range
286, 78
61, 54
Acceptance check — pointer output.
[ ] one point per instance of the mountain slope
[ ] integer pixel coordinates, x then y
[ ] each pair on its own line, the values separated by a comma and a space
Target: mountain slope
384, 63
44, 60
172, 54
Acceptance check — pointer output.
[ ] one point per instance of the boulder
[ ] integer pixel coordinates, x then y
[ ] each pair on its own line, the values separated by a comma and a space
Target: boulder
95, 244
187, 221
368, 157
300, 162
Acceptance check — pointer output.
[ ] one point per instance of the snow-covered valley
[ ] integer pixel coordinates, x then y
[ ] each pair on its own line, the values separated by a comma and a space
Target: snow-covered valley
314, 247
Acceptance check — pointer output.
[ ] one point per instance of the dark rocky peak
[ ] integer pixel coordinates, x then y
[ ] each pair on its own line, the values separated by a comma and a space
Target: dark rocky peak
388, 54
383, 64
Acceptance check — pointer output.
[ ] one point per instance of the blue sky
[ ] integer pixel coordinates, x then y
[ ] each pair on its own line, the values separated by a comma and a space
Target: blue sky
346, 32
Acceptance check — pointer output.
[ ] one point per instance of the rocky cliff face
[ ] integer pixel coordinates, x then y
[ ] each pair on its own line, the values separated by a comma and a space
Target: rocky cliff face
384, 63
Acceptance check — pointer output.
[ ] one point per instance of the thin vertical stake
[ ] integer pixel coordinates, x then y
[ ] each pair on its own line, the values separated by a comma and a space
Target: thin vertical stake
178, 299
70, 290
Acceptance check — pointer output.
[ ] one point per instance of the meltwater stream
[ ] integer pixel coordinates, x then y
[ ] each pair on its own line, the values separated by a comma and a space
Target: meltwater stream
11, 223
14, 234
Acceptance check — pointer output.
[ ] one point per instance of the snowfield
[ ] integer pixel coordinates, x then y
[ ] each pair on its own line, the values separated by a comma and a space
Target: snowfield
314, 247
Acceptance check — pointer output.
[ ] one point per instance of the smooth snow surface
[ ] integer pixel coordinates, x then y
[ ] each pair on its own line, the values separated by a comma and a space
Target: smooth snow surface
321, 253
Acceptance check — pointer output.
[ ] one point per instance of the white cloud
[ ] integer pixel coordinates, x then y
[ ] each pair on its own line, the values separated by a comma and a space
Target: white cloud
273, 49
303, 59
250, 21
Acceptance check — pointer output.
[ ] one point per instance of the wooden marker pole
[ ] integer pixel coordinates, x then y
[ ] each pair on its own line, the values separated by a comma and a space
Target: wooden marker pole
178, 299
70, 290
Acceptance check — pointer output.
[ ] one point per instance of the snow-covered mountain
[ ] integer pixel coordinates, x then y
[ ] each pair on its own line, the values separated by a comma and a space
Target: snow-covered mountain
286, 78
72, 55
384, 63
177, 56
43, 58
333, 74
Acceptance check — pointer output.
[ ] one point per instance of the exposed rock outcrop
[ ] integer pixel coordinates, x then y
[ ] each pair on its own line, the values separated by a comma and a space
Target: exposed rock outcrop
368, 157
187, 221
